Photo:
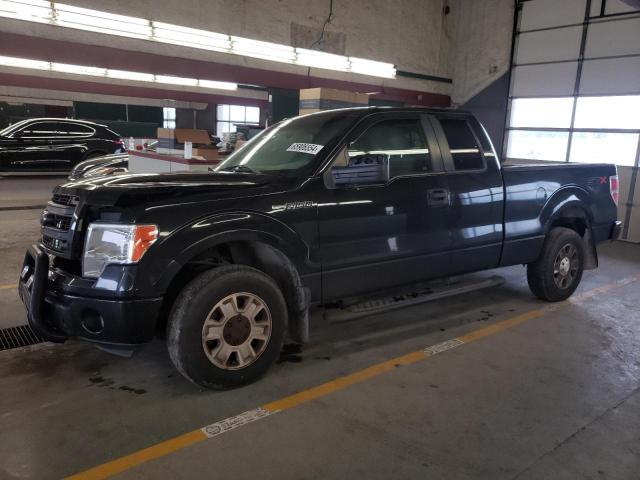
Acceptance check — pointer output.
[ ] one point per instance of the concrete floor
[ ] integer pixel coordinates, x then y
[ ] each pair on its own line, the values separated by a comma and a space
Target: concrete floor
555, 397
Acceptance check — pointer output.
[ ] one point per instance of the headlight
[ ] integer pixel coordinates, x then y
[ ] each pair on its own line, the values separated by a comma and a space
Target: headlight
112, 243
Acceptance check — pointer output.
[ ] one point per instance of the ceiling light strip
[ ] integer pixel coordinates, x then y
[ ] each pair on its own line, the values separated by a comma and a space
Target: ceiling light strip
69, 16
115, 74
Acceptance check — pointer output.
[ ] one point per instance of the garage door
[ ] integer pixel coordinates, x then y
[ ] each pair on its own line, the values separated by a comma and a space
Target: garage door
575, 83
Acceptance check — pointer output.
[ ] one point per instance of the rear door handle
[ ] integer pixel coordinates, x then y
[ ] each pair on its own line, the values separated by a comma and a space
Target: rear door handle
438, 197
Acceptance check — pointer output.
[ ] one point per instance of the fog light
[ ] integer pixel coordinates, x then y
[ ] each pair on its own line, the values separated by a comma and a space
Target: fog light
92, 321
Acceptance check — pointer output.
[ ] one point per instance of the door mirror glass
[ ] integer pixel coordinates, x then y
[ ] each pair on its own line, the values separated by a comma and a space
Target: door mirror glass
366, 169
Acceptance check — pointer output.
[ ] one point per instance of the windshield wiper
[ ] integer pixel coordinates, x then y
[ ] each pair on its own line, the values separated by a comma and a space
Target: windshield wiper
239, 168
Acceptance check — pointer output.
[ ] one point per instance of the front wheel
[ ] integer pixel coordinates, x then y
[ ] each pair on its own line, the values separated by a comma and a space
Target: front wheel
556, 274
227, 327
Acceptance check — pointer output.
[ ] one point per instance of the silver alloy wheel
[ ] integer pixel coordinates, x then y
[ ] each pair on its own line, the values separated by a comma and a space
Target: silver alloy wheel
236, 331
565, 266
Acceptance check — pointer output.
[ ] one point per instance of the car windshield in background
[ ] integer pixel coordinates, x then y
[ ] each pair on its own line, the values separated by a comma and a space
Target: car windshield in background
11, 128
291, 145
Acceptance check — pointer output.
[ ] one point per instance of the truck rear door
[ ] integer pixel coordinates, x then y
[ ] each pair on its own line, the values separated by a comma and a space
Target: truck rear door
388, 234
475, 184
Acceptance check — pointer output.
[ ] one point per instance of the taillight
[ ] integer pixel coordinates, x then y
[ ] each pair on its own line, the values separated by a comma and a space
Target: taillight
614, 188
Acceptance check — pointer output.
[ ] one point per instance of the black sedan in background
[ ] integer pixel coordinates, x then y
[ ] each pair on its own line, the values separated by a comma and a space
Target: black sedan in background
54, 144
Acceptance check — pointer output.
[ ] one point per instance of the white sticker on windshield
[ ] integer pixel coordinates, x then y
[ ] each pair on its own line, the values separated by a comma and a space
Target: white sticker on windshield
305, 148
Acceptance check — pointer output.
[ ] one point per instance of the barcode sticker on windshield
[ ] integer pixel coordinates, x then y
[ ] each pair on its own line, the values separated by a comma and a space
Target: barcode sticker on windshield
305, 148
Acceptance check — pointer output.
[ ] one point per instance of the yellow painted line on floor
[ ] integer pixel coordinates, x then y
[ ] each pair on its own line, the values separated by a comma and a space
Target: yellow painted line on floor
158, 450
7, 287
172, 445
343, 382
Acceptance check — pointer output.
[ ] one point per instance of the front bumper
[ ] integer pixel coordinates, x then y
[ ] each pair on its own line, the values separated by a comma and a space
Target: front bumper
57, 316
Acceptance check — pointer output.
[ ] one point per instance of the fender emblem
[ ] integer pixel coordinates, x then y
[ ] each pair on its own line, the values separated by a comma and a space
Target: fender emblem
294, 205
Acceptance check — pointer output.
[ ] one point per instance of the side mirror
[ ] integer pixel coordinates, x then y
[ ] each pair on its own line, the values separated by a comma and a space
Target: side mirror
367, 169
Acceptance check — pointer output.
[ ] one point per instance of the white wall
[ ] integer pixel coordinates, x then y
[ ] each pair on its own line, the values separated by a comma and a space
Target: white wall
481, 46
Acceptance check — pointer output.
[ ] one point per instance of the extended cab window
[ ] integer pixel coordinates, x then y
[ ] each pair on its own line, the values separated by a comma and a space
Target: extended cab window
38, 130
463, 145
402, 140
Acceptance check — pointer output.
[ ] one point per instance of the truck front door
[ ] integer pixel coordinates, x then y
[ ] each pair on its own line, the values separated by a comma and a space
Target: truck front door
381, 235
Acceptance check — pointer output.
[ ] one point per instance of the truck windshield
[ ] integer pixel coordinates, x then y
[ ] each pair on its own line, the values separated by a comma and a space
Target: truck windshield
291, 145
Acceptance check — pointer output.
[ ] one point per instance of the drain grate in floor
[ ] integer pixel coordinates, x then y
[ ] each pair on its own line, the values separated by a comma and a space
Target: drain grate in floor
20, 336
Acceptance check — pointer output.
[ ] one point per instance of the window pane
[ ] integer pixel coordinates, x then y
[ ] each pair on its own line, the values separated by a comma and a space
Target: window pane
541, 112
225, 127
253, 115
41, 129
462, 144
73, 129
223, 112
169, 113
599, 147
401, 140
537, 145
608, 112
169, 124
237, 113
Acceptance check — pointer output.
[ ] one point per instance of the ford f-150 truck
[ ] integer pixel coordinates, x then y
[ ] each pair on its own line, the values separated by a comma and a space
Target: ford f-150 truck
315, 209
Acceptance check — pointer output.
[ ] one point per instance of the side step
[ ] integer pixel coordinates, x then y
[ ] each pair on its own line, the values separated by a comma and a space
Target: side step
407, 299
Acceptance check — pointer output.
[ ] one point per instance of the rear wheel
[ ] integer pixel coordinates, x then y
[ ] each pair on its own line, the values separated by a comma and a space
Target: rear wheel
558, 271
227, 327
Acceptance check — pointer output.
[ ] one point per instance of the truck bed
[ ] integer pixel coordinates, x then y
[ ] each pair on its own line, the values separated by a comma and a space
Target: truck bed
535, 191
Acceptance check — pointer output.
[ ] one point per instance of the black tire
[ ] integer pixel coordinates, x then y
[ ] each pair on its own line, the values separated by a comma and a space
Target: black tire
196, 303
545, 278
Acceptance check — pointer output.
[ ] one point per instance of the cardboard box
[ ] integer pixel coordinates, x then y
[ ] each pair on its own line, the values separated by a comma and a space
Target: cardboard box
207, 153
318, 99
171, 140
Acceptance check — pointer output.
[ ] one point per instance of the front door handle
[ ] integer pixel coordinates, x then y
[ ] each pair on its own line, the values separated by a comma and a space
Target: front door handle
438, 197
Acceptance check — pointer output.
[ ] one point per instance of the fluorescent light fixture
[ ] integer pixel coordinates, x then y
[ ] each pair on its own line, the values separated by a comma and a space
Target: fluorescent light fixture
265, 50
218, 85
171, 80
78, 69
126, 75
102, 22
117, 74
24, 63
70, 16
371, 67
30, 10
317, 59
190, 37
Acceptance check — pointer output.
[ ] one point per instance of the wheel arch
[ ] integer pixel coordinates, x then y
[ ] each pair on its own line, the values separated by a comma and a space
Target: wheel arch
569, 208
276, 251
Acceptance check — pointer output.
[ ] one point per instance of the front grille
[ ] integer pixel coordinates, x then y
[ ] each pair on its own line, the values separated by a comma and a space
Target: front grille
64, 199
20, 336
59, 222
55, 244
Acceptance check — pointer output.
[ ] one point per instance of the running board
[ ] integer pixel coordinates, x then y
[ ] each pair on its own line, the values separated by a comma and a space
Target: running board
407, 299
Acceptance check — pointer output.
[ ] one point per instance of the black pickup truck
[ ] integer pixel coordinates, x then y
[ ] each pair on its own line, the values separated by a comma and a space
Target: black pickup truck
315, 209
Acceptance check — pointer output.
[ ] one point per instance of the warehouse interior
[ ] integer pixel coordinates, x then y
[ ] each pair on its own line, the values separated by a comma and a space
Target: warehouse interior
468, 376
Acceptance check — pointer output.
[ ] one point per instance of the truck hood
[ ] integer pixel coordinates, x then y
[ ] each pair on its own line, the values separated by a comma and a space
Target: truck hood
129, 189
